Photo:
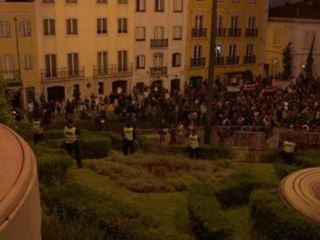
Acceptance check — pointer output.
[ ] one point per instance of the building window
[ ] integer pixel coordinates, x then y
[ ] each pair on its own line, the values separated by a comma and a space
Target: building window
49, 27
220, 22
177, 33
158, 32
27, 62
234, 22
102, 1
72, 26
51, 65
140, 5
71, 1
6, 63
159, 5
25, 28
232, 50
140, 33
122, 1
122, 25
252, 22
101, 26
199, 21
73, 64
158, 59
252, 1
249, 50
102, 60
178, 5
48, 1
122, 61
176, 60
140, 61
276, 38
5, 29
197, 51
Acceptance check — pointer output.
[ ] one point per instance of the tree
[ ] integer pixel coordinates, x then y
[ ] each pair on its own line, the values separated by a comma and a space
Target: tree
309, 62
6, 116
287, 61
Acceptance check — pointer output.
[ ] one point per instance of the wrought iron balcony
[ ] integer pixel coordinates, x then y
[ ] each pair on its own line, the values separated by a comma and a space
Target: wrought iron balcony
74, 72
12, 77
219, 61
232, 60
199, 32
122, 70
197, 62
221, 32
234, 32
249, 59
52, 74
251, 32
158, 71
159, 43
102, 71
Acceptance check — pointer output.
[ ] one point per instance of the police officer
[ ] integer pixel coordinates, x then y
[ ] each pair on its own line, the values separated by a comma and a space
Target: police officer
194, 144
128, 135
37, 130
71, 141
289, 148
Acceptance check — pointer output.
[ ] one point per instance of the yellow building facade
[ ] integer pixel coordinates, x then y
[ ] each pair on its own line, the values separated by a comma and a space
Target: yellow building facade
240, 42
18, 48
85, 46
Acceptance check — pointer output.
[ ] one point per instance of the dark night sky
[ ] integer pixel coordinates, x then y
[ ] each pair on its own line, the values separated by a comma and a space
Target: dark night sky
281, 2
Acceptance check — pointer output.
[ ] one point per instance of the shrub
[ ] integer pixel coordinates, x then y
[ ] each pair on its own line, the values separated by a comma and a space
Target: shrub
274, 220
282, 170
95, 146
270, 157
53, 167
235, 190
74, 202
24, 128
207, 218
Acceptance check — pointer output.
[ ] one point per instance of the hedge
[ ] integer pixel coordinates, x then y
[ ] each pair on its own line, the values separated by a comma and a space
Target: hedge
274, 220
207, 218
52, 165
74, 202
235, 190
92, 145
282, 170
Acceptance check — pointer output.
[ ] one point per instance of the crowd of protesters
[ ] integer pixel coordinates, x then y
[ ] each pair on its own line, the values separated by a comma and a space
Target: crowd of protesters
296, 106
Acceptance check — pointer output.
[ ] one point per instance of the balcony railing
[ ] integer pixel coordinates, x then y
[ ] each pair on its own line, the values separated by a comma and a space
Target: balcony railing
12, 77
251, 32
158, 71
120, 70
232, 60
219, 61
159, 43
103, 71
249, 59
74, 72
234, 32
221, 32
197, 62
199, 32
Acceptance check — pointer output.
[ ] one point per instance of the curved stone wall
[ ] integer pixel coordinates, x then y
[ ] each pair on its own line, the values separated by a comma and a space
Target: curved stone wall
20, 210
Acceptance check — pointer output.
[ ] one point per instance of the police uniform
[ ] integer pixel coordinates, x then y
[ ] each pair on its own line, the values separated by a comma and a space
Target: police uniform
72, 144
194, 146
128, 140
37, 131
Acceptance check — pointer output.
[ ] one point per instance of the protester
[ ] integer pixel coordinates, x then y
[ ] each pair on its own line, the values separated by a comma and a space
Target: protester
194, 145
71, 141
129, 135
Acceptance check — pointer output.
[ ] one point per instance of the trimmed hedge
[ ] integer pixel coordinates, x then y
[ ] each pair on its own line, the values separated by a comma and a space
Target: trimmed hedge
207, 218
74, 202
282, 170
92, 145
274, 220
53, 165
235, 190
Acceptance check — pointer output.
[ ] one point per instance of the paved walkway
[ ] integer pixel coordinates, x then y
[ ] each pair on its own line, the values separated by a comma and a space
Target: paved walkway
301, 190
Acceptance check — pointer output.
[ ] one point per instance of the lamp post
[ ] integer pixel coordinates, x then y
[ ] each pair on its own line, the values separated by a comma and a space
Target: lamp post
212, 55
